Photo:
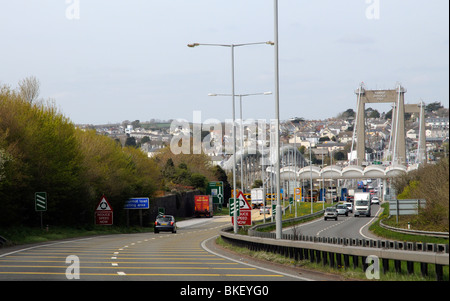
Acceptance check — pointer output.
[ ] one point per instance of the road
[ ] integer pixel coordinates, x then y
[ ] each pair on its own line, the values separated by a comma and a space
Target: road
188, 255
346, 226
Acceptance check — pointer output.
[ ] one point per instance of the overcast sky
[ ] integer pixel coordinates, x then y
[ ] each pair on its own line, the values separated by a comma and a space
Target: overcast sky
105, 61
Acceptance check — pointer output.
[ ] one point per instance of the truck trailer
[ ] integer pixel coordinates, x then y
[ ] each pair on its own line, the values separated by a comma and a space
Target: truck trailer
203, 206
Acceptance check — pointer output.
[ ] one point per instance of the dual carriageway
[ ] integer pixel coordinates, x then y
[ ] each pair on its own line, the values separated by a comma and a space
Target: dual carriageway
188, 255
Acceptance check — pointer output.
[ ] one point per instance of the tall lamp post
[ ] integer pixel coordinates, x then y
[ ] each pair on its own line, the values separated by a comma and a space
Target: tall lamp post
278, 223
242, 142
232, 46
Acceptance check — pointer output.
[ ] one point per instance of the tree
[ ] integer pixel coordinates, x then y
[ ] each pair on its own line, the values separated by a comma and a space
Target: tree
340, 155
29, 88
374, 114
41, 150
429, 182
302, 149
346, 114
131, 141
257, 183
221, 175
434, 106
145, 139
198, 181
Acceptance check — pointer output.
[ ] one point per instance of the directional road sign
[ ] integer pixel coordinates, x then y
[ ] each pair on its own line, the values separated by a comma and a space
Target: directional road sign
40, 199
232, 206
215, 189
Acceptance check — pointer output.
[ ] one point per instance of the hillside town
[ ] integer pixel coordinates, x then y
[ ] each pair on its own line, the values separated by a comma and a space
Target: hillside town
330, 139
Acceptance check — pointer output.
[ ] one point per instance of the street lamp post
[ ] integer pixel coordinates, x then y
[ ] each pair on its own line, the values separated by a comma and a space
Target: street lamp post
232, 46
310, 175
241, 129
278, 222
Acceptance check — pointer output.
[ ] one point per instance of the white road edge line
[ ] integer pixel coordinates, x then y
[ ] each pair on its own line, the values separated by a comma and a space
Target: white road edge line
46, 245
248, 264
360, 229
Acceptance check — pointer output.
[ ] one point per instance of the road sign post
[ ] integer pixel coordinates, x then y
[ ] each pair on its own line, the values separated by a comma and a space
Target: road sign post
40, 204
136, 203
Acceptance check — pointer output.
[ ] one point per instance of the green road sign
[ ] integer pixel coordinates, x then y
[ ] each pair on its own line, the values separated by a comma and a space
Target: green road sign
40, 199
232, 206
161, 210
274, 210
215, 189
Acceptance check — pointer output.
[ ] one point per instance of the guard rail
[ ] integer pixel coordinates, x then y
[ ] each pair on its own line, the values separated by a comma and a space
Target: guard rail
336, 251
415, 232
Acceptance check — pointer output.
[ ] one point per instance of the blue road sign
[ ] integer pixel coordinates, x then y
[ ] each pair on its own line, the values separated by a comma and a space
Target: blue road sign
137, 203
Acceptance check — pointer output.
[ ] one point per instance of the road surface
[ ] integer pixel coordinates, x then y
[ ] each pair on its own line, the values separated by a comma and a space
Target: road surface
345, 227
188, 255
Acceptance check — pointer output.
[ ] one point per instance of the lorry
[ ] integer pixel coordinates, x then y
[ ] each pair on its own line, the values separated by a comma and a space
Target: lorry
257, 197
203, 206
362, 204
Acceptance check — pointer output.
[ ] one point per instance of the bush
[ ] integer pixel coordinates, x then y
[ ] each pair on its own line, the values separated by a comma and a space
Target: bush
429, 182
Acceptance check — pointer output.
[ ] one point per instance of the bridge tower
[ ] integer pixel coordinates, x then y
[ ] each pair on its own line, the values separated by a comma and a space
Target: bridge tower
395, 96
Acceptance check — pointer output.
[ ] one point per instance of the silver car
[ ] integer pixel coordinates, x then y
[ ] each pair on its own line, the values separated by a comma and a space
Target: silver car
330, 212
342, 209
349, 206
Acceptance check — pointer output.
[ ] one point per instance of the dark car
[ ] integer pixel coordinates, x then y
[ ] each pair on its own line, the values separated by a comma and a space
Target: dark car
165, 223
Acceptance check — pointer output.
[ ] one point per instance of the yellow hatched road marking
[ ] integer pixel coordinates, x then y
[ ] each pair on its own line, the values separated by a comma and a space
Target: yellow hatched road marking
122, 258
128, 262
165, 275
125, 267
118, 253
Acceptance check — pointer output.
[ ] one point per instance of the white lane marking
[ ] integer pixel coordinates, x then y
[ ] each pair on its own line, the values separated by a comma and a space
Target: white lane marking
334, 225
248, 264
46, 245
